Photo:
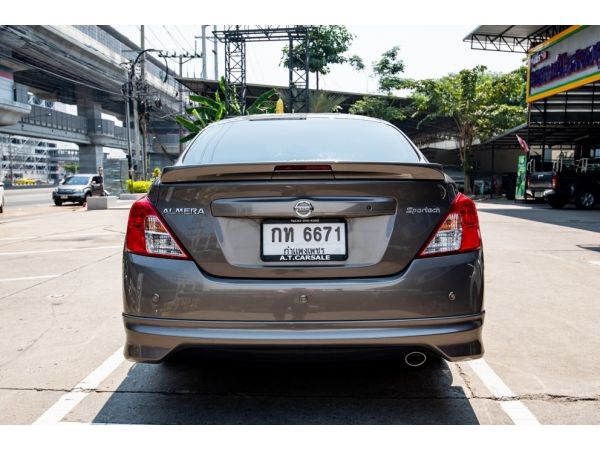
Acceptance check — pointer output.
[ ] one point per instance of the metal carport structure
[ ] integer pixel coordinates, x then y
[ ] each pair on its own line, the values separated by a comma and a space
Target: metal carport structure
564, 120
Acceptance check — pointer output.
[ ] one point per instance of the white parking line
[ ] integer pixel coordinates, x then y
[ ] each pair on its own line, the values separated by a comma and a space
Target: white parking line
594, 263
71, 399
61, 235
29, 278
515, 409
17, 238
34, 252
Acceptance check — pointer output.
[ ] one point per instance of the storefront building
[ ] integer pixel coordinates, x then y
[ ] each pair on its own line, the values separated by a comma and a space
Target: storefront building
563, 98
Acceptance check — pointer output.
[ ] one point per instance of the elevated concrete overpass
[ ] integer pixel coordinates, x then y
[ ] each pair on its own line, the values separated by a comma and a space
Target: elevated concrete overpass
87, 66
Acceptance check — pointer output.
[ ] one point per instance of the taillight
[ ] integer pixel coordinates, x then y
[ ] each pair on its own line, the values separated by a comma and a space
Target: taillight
148, 235
553, 181
458, 232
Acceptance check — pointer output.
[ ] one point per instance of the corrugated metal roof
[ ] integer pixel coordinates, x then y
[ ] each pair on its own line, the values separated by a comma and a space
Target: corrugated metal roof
511, 38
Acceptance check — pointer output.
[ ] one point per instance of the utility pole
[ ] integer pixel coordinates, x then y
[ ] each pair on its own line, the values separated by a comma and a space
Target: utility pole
181, 100
136, 120
204, 51
128, 122
144, 115
183, 58
216, 53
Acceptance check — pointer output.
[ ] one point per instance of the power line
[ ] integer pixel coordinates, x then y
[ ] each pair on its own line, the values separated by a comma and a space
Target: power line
164, 47
150, 42
173, 39
182, 36
82, 83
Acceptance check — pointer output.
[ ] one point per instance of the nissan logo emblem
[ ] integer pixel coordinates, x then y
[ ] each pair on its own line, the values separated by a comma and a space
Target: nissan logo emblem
303, 208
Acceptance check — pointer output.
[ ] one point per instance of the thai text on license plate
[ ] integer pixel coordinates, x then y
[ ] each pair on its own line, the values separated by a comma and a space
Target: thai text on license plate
300, 240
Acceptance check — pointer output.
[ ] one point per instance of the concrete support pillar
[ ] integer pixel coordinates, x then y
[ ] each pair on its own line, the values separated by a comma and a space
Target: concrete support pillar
90, 156
87, 105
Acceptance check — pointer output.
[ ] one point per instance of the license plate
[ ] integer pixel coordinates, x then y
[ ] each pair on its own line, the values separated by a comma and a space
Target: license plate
299, 240
64, 197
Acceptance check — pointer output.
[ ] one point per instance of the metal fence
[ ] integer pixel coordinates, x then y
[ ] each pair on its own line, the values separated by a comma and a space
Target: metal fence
51, 118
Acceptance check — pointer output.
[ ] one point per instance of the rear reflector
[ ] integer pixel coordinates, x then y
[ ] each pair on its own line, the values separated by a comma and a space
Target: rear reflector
148, 235
458, 232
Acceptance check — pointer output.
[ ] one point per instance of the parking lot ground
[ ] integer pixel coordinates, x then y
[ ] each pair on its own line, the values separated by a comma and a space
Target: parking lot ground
542, 283
60, 301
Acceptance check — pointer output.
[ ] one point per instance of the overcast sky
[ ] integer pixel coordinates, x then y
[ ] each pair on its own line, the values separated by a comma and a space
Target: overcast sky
427, 51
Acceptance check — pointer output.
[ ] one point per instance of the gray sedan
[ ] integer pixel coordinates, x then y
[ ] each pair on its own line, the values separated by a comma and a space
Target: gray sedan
303, 232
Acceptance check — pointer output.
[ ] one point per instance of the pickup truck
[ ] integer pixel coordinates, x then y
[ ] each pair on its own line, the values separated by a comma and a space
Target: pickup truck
538, 183
579, 184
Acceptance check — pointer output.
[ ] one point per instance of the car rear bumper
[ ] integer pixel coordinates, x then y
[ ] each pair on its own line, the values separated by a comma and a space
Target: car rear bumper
454, 338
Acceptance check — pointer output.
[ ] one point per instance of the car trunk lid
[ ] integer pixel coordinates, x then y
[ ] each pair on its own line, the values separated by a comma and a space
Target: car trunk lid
244, 220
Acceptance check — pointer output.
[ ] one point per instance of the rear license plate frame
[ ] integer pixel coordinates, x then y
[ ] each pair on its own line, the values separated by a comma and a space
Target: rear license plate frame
312, 258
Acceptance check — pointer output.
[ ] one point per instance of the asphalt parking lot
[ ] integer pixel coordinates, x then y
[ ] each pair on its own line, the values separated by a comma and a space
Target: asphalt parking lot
60, 356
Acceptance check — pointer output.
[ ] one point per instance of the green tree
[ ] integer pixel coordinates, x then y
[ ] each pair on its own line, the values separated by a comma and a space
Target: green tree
388, 70
379, 107
223, 104
318, 101
71, 167
328, 45
481, 104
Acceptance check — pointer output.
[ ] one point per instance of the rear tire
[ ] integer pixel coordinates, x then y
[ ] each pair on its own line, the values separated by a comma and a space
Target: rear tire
556, 203
57, 202
586, 199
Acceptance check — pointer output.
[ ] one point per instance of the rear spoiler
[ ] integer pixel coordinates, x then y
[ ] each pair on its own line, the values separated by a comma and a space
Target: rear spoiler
303, 171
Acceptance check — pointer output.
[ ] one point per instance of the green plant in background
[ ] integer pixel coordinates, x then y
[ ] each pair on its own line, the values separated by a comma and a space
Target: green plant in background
138, 187
318, 101
71, 167
328, 44
156, 172
223, 104
388, 70
480, 103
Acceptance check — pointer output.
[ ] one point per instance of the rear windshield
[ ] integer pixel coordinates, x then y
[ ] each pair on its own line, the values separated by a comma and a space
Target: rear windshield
311, 139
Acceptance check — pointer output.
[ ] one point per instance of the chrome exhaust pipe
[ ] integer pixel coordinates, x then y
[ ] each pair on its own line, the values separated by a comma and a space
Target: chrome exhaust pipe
415, 359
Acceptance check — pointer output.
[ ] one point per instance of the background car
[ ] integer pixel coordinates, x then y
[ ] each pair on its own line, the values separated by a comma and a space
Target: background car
78, 188
303, 232
457, 174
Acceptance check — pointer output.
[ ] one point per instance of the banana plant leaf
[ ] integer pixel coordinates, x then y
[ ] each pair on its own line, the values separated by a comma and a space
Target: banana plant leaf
187, 124
259, 105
